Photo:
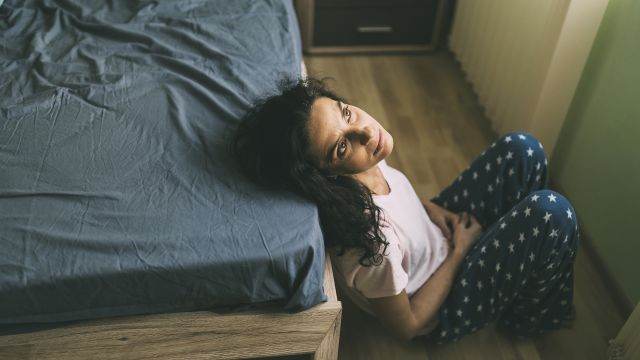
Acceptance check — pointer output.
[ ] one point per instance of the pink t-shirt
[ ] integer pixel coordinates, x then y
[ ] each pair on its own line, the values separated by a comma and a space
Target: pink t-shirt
416, 248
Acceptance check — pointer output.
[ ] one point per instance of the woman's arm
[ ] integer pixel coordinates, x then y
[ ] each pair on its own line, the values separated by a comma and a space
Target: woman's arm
405, 316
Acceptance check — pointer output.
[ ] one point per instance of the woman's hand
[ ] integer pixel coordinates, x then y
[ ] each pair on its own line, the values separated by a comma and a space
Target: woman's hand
466, 232
443, 218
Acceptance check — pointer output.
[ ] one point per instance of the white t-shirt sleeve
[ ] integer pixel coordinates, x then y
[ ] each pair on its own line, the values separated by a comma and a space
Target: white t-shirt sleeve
386, 279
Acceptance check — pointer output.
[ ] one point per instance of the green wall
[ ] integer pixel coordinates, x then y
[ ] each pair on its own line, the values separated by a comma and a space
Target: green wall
597, 159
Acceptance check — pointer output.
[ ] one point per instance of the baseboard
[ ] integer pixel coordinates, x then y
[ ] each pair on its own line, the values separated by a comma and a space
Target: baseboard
622, 301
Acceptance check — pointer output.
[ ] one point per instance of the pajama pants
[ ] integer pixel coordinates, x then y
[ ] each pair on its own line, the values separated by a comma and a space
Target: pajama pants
519, 273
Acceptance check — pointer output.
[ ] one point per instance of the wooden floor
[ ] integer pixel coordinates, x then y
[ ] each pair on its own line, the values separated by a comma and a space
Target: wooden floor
439, 128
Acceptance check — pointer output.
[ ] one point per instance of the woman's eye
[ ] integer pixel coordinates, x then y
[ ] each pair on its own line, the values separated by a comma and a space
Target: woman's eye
347, 113
342, 148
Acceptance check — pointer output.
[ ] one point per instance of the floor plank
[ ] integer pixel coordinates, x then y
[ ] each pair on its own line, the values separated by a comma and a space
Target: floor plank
438, 127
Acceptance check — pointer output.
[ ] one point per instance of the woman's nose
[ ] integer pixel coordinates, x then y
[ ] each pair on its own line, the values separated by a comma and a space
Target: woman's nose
367, 134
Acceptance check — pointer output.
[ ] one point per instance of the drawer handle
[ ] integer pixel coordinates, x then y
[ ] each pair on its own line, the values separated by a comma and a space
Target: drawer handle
375, 29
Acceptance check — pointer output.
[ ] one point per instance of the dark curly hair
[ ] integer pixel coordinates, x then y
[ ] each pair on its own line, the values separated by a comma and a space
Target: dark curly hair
272, 147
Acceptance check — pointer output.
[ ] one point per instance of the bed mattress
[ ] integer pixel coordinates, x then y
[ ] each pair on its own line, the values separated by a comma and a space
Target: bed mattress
118, 195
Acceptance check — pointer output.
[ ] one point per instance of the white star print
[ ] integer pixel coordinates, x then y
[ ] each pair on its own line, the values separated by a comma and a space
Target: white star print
508, 276
479, 284
455, 198
481, 263
514, 213
538, 166
521, 238
499, 160
459, 313
467, 322
488, 167
537, 177
473, 206
463, 282
552, 198
547, 217
554, 233
479, 307
443, 333
495, 243
483, 249
511, 172
475, 175
534, 198
509, 155
532, 256
503, 225
466, 299
482, 203
566, 239
497, 267
490, 188
530, 152
536, 231
540, 144
569, 214
521, 266
527, 212
507, 139
522, 137
465, 193
511, 248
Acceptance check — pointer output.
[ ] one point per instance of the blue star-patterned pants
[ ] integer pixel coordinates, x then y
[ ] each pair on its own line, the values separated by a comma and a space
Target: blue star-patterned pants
520, 271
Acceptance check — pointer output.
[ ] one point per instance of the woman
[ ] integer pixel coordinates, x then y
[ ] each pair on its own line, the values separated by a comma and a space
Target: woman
422, 270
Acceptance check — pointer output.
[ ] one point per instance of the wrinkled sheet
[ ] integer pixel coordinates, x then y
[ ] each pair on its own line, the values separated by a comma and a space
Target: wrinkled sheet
117, 193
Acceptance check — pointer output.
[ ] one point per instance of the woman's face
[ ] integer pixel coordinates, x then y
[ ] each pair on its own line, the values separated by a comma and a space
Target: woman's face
345, 139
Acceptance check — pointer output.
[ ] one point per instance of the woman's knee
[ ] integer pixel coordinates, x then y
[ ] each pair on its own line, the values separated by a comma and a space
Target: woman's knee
555, 210
525, 145
525, 153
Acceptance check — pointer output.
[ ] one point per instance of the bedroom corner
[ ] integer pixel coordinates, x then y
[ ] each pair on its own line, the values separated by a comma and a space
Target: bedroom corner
319, 179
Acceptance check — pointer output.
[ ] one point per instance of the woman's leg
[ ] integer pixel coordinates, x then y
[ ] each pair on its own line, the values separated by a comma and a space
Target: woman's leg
520, 272
514, 166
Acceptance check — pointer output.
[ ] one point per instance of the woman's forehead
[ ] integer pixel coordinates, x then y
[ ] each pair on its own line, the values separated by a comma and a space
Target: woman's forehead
322, 127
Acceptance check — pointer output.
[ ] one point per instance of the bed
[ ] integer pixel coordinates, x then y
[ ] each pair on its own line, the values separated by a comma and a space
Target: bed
126, 229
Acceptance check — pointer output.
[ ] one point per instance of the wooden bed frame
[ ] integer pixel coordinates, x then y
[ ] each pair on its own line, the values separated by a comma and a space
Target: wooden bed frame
313, 333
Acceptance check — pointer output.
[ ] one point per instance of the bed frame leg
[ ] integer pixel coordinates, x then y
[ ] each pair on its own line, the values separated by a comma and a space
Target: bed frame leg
328, 349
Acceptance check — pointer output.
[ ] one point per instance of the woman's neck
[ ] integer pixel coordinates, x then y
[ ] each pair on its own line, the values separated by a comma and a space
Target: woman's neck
374, 180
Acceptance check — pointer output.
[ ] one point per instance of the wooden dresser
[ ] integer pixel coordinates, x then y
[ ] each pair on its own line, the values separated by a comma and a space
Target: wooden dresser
335, 26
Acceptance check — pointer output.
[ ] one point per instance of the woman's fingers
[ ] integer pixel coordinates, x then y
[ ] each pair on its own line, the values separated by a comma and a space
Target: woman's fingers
441, 222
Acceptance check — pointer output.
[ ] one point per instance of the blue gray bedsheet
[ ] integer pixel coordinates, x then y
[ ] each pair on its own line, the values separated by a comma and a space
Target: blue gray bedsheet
117, 193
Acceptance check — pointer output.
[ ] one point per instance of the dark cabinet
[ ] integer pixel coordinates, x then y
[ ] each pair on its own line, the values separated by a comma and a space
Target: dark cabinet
369, 26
